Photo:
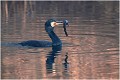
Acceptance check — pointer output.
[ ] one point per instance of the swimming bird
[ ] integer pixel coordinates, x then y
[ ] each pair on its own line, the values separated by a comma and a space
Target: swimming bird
49, 28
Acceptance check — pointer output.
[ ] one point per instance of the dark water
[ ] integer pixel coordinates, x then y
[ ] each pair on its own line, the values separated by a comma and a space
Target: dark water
89, 52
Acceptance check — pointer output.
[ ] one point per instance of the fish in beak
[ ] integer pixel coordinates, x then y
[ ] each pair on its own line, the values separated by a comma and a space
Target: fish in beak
64, 23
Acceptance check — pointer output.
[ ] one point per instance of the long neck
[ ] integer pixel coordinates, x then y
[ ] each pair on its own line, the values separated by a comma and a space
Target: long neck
55, 39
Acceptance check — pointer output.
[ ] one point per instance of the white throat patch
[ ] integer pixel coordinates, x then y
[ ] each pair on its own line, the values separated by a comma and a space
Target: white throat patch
53, 24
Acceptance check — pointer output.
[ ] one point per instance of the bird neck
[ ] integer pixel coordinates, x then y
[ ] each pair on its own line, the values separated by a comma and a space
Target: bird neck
55, 39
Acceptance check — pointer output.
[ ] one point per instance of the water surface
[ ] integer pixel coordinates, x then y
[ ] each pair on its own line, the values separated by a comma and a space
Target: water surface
89, 52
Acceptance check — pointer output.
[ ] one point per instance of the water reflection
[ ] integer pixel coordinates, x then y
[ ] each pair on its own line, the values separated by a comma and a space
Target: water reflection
66, 64
92, 46
51, 58
51, 64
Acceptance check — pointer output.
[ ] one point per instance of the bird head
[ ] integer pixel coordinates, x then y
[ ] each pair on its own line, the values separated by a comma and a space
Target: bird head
51, 23
48, 26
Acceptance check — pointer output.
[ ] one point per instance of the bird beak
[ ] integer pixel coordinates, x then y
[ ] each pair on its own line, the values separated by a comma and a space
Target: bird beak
58, 23
53, 24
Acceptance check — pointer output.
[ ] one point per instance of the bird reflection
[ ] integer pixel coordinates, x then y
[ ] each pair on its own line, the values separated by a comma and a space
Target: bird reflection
66, 63
51, 57
50, 67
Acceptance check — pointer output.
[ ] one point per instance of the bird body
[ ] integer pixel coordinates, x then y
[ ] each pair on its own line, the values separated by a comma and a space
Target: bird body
49, 28
36, 43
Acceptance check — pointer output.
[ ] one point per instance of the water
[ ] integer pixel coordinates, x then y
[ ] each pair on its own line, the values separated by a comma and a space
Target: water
89, 52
